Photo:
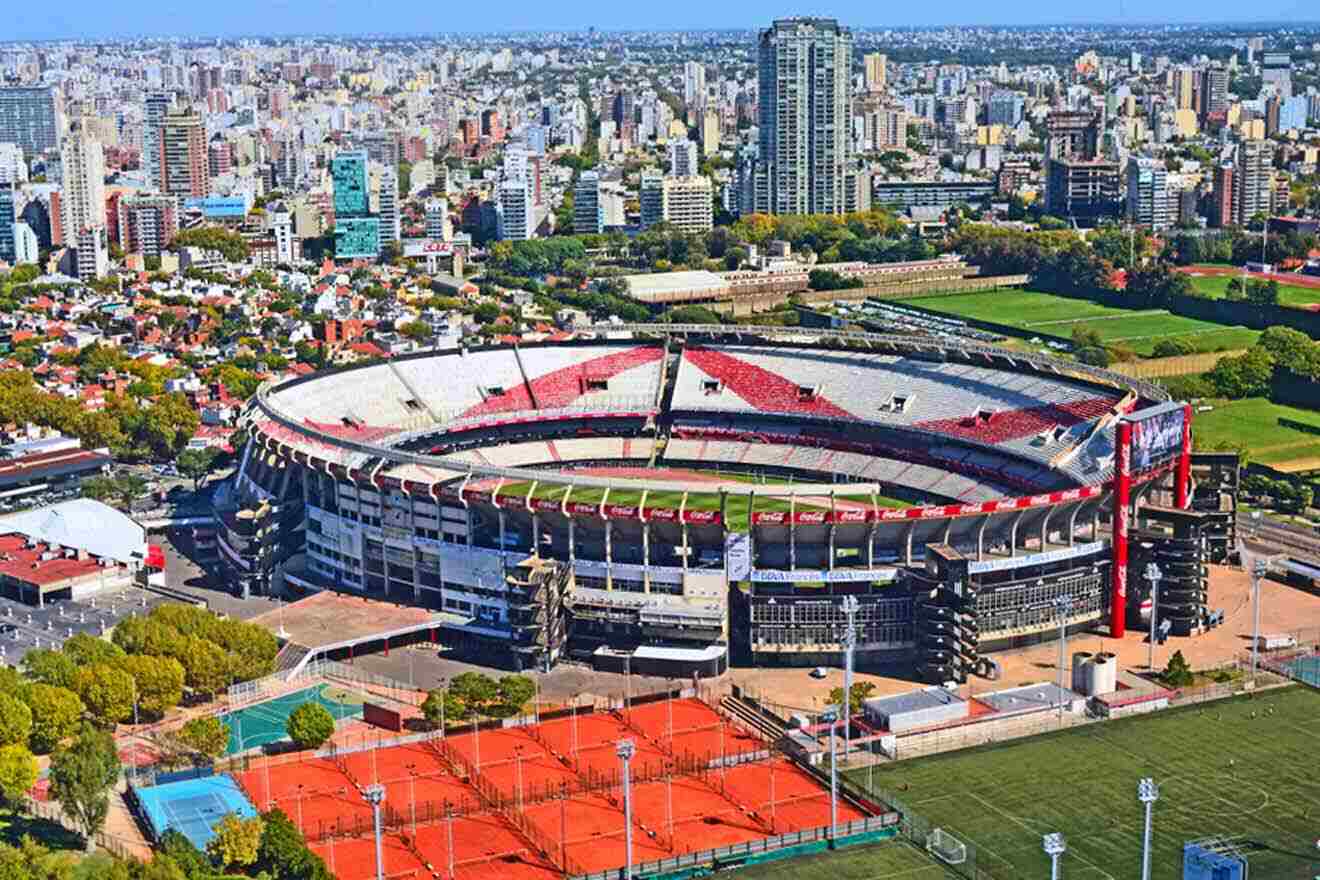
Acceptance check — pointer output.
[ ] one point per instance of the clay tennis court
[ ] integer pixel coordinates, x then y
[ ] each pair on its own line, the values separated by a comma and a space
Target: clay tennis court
545, 800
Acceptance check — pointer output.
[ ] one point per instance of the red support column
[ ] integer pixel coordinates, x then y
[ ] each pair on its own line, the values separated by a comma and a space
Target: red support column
432, 636
387, 647
1183, 483
1122, 505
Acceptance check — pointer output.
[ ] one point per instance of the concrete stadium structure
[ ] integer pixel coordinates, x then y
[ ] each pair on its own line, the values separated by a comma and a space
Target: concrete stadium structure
545, 499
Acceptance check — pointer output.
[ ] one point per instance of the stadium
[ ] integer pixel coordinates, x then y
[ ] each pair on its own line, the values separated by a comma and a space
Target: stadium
673, 498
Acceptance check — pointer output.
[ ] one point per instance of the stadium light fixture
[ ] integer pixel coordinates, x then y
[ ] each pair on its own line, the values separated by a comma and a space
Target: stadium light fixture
1054, 846
1259, 569
1148, 793
849, 606
626, 749
1153, 574
375, 795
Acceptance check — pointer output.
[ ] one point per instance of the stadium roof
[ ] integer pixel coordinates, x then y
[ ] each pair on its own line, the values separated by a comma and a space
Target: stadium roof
676, 286
82, 524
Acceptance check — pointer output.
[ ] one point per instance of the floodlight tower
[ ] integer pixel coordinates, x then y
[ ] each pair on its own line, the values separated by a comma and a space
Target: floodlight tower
1061, 606
1054, 847
1153, 574
626, 749
1148, 793
1259, 569
375, 795
849, 607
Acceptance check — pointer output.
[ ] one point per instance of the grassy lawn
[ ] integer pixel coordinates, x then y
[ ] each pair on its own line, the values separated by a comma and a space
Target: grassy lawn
1254, 424
1236, 767
1032, 310
876, 862
1216, 286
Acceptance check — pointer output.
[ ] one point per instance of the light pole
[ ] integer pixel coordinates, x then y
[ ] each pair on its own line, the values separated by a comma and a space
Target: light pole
1259, 569
375, 795
1061, 606
1054, 847
849, 607
1148, 793
412, 793
1153, 574
834, 788
625, 751
449, 822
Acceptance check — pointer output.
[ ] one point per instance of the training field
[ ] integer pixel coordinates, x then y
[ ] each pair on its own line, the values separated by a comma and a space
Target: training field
1246, 766
897, 860
1216, 286
1254, 423
1139, 330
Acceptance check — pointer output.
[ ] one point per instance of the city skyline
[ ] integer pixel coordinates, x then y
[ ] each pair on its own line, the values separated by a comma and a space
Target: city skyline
87, 21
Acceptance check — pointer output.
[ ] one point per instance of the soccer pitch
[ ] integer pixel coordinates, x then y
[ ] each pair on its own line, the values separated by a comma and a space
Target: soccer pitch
1140, 330
882, 861
1243, 767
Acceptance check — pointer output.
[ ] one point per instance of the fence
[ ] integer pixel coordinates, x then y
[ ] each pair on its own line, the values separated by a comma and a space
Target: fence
119, 847
766, 849
1180, 365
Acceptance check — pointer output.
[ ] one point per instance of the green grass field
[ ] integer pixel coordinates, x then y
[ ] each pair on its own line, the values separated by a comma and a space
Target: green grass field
1254, 424
1234, 767
1040, 312
877, 862
1216, 286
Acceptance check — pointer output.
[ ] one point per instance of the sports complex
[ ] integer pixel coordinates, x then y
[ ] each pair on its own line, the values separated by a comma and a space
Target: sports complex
659, 498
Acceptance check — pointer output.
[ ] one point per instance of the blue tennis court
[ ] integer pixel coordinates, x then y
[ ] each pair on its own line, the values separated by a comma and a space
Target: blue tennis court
1305, 669
193, 806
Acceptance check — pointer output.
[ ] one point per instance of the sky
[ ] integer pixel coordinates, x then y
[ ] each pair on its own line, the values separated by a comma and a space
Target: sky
83, 19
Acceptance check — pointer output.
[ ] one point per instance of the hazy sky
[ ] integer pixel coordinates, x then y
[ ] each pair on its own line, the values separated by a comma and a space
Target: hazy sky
30, 19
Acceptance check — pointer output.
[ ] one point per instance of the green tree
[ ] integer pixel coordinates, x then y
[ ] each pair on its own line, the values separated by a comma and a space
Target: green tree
138, 635
439, 706
81, 775
206, 666
169, 424
18, 773
860, 691
195, 464
106, 691
15, 720
87, 650
310, 725
49, 667
158, 682
1247, 375
236, 841
1178, 673
55, 715
283, 854
474, 692
208, 737
231, 245
514, 692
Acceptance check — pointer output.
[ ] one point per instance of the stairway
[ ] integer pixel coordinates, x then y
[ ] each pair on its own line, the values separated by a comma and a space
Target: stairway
752, 719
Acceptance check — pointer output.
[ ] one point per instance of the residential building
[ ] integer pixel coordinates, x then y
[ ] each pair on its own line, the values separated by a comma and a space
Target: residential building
32, 117
683, 158
93, 259
281, 226
391, 227
1184, 79
687, 203
1251, 180
83, 198
12, 167
710, 132
147, 224
185, 166
875, 73
155, 108
1221, 202
516, 218
1080, 183
651, 198
437, 219
804, 69
8, 220
904, 194
357, 233
1214, 91
1147, 193
26, 247
587, 217
694, 85
1005, 108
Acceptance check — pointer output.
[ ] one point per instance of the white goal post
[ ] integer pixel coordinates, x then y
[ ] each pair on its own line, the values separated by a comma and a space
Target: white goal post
945, 847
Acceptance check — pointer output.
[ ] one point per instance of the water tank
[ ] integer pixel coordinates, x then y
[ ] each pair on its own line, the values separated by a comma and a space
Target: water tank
1080, 660
1090, 674
1106, 674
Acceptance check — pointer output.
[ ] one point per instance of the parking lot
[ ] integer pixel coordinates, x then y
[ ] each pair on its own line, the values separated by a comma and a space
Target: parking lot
25, 627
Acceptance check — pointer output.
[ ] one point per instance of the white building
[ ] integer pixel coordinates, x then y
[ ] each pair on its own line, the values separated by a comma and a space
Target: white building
437, 219
516, 219
26, 247
682, 158
83, 198
586, 204
12, 167
93, 253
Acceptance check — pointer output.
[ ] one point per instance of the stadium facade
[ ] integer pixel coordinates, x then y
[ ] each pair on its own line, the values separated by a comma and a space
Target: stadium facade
561, 499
